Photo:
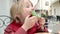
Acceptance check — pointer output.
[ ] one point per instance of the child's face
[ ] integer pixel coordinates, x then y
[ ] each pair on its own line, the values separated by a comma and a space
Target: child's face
27, 8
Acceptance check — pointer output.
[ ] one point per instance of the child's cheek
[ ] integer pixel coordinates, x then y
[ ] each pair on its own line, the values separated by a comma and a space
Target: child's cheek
27, 11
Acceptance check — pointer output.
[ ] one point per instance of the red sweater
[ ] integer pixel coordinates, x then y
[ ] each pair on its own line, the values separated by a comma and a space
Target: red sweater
15, 28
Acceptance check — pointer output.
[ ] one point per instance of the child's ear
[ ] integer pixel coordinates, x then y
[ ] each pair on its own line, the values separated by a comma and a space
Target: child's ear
17, 17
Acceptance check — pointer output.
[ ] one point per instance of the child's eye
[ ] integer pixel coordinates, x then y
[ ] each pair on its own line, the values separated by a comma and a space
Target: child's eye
27, 6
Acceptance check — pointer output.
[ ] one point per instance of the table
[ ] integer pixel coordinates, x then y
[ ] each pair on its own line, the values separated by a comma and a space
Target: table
43, 33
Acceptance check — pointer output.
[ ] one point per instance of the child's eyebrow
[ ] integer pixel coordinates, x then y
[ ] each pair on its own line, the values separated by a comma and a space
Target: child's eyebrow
30, 3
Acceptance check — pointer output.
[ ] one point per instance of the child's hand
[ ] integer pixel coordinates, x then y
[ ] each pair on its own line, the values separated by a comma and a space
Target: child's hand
41, 22
29, 22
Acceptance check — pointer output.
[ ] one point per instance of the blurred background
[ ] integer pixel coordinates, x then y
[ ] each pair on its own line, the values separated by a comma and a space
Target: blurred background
50, 8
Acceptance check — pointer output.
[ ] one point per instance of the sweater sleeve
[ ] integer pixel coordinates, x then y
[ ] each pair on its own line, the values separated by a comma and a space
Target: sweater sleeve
19, 31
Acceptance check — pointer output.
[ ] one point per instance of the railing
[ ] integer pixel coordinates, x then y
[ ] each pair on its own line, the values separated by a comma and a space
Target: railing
4, 20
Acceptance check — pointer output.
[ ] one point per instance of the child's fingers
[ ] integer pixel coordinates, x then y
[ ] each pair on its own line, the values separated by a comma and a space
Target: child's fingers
42, 20
32, 17
27, 16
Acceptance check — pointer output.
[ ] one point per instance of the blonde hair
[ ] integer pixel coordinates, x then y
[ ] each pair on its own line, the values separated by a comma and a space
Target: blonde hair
17, 8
